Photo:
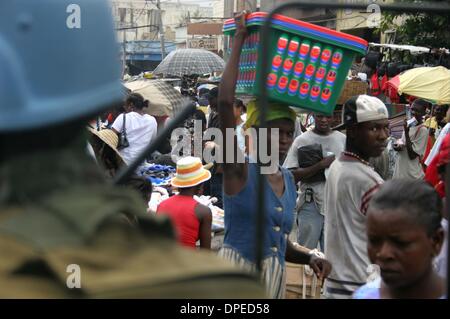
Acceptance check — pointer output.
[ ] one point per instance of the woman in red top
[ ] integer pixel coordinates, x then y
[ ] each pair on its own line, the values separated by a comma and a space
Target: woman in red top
192, 220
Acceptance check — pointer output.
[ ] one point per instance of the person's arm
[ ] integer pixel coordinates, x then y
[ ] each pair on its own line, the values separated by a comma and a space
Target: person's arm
296, 256
204, 215
300, 174
321, 267
408, 144
235, 174
118, 124
155, 128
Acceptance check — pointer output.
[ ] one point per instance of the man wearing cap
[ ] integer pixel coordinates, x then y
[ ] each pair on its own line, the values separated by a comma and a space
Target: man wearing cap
191, 219
351, 183
62, 231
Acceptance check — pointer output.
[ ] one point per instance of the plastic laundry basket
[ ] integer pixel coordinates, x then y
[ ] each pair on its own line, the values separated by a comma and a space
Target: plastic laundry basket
308, 63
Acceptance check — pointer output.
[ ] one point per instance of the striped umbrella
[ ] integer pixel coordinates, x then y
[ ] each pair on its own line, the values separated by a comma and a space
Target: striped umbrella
190, 61
430, 83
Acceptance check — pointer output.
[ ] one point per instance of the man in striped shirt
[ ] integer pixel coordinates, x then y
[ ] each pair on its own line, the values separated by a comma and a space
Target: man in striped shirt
351, 183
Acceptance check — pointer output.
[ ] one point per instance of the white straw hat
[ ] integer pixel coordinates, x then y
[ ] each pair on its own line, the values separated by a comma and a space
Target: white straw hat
190, 172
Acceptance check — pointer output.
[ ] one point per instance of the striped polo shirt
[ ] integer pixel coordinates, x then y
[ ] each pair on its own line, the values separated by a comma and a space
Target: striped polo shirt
348, 190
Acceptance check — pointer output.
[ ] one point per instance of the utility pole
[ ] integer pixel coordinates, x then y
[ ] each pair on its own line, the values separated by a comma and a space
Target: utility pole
161, 31
240, 6
124, 55
249, 5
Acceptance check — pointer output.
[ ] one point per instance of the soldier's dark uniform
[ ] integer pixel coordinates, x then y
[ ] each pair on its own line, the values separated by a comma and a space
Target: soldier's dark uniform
55, 208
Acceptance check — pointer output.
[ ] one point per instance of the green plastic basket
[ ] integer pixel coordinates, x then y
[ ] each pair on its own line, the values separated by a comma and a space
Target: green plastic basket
308, 64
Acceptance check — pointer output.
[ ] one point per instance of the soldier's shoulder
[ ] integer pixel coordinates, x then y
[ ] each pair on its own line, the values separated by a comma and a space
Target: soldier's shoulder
113, 259
119, 265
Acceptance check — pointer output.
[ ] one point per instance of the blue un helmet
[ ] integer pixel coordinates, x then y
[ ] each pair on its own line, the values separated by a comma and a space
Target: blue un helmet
59, 60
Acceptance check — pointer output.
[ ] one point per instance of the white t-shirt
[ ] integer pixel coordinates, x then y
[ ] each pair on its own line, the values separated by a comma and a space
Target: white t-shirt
141, 130
348, 190
334, 142
298, 128
404, 166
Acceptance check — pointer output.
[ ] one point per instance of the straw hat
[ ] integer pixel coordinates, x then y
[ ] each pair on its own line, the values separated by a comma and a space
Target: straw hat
190, 172
110, 138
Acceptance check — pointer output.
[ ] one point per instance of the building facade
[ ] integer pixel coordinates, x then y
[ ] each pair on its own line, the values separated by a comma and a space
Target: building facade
139, 19
138, 29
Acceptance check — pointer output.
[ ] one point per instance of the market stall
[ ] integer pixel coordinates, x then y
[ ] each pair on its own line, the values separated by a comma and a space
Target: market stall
161, 176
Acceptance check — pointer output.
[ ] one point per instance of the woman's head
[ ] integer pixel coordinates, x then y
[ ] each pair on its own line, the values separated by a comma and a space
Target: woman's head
279, 116
286, 130
104, 143
404, 231
135, 101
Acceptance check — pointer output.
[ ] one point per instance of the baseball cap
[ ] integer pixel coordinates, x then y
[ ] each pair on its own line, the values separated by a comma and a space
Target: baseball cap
362, 108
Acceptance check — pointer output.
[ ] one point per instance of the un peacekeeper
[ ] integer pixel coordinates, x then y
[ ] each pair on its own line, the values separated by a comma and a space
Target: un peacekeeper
61, 230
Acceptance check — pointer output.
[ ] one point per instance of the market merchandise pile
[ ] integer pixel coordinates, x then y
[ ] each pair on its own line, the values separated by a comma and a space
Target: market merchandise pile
159, 175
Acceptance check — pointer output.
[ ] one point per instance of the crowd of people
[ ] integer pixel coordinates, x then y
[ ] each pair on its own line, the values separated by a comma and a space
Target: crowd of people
324, 183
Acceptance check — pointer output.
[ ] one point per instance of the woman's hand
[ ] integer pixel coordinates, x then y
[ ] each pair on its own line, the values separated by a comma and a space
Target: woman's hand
241, 29
210, 145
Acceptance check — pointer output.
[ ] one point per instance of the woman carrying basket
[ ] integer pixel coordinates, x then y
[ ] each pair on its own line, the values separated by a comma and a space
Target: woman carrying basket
240, 188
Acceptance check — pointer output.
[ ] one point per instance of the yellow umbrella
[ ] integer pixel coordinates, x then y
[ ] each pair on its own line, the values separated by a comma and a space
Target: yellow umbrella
430, 83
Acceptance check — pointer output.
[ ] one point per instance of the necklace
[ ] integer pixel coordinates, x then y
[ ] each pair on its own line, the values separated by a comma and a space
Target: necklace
357, 157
